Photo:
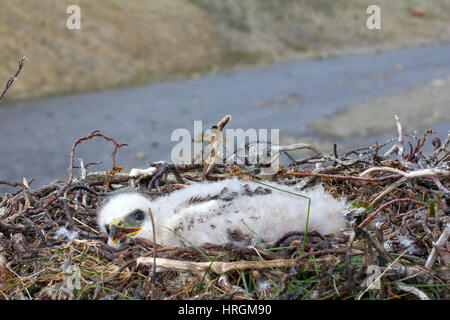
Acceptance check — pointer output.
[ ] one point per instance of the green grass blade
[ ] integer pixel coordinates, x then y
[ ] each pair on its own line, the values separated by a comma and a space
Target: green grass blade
295, 194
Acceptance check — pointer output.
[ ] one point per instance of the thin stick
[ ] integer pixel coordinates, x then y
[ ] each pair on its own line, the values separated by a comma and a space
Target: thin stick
361, 232
423, 173
96, 133
432, 173
14, 77
400, 138
442, 239
82, 223
298, 146
335, 152
154, 245
381, 275
419, 145
13, 184
362, 224
391, 187
335, 176
415, 291
442, 147
439, 184
216, 266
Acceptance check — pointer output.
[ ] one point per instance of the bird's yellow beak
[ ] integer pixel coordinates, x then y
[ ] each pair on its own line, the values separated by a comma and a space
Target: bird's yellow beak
118, 231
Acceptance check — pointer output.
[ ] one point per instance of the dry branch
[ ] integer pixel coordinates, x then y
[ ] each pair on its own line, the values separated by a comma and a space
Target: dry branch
423, 173
441, 241
370, 217
415, 291
14, 77
216, 266
90, 136
340, 177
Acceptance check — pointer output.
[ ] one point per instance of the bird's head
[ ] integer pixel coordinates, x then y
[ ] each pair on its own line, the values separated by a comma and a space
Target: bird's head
123, 216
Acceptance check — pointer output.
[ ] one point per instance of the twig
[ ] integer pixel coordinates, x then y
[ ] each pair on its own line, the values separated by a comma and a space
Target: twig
216, 266
387, 190
439, 184
82, 187
419, 145
299, 146
335, 152
14, 77
14, 184
415, 291
432, 173
423, 173
2, 267
400, 138
24, 185
361, 232
380, 276
83, 224
442, 147
96, 133
441, 241
348, 254
154, 244
234, 249
5, 228
119, 271
373, 214
335, 176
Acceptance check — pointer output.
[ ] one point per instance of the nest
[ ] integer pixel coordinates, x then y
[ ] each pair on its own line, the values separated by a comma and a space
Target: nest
396, 246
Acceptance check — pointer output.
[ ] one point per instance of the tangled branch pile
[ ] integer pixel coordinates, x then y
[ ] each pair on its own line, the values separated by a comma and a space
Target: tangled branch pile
396, 245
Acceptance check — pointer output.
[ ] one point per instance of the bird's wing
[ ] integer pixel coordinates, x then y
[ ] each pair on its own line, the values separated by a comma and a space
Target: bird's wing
225, 190
234, 210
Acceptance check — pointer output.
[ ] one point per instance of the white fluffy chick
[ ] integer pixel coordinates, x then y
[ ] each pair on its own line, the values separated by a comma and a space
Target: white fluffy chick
218, 212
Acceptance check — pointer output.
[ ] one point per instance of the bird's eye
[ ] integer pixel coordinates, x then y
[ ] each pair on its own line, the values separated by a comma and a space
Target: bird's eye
139, 215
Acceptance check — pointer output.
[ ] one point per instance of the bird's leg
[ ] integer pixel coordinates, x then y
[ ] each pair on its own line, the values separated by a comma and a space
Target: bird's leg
293, 161
287, 235
157, 184
166, 174
156, 179
177, 174
163, 171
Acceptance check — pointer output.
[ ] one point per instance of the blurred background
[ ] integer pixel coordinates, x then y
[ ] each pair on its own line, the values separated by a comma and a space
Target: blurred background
139, 69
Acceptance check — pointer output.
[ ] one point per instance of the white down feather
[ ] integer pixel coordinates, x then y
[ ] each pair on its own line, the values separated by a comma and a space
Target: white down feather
264, 216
